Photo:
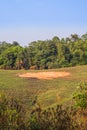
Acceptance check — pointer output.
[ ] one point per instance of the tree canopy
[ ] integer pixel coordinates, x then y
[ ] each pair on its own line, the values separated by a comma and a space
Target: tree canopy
47, 54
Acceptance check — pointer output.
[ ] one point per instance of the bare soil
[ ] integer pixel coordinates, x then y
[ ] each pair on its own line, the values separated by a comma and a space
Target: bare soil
45, 75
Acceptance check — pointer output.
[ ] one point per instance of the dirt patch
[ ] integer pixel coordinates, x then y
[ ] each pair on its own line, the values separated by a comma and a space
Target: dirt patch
45, 75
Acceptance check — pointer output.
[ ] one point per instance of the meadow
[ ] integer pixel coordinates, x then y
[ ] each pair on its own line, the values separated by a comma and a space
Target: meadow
47, 92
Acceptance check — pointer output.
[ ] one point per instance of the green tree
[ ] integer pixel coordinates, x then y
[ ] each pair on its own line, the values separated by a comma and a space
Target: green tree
9, 56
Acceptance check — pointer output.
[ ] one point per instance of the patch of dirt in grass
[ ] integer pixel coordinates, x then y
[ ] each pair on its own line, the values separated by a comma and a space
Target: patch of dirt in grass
45, 75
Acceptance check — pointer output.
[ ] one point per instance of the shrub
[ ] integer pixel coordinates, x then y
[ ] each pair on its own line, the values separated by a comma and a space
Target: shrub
57, 118
80, 96
12, 114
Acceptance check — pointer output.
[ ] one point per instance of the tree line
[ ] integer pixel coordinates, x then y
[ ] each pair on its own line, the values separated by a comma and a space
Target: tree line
47, 54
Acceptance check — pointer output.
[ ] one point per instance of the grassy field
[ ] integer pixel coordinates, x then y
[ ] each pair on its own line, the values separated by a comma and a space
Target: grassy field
48, 92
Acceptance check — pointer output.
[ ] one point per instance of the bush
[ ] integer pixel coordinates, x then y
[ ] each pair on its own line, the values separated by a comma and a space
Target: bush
12, 114
57, 118
80, 96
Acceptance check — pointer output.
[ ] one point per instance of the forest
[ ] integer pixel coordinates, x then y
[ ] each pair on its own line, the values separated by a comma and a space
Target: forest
45, 54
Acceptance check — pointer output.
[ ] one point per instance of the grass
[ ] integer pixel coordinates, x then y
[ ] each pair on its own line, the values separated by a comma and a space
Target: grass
48, 92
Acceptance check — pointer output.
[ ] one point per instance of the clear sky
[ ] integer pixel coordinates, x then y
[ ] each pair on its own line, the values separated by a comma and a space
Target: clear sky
28, 20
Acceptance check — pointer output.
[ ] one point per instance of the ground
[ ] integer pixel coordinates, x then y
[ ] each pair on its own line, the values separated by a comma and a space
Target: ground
59, 90
45, 75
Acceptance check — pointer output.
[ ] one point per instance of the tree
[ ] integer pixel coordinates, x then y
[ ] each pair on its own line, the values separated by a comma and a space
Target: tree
84, 37
3, 46
74, 37
55, 39
15, 43
9, 57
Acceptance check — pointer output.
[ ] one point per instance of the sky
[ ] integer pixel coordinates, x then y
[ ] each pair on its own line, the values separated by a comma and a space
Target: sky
25, 21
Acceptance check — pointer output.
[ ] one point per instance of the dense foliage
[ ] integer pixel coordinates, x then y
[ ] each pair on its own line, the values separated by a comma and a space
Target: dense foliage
57, 118
80, 96
46, 54
13, 116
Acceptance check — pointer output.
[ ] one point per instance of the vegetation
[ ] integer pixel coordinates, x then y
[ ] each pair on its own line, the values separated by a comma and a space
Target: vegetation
81, 96
57, 118
13, 116
46, 54
63, 118
32, 104
47, 91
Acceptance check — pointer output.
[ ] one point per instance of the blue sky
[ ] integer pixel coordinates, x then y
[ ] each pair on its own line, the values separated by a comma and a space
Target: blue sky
28, 20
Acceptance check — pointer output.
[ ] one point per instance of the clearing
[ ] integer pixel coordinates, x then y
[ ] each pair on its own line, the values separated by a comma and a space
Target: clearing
57, 86
45, 75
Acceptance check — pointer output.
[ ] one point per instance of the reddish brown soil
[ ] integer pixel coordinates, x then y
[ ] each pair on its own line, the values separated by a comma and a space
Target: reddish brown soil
45, 75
